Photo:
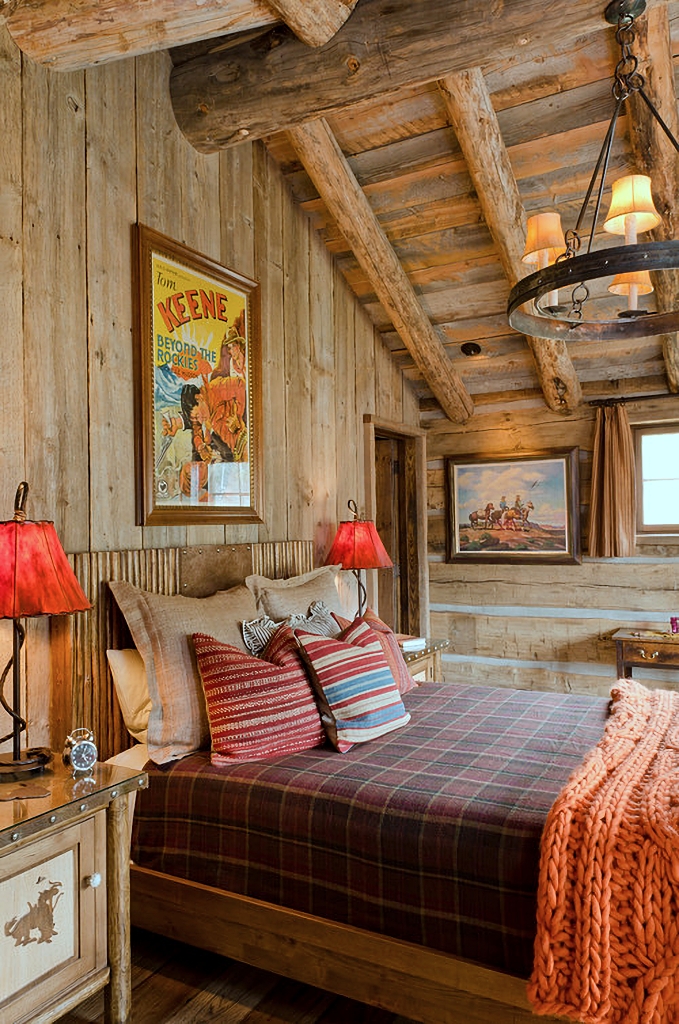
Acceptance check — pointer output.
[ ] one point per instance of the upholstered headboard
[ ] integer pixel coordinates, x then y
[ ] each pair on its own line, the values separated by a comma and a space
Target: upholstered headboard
82, 688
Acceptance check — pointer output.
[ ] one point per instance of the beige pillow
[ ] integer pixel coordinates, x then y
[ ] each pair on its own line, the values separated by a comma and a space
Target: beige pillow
132, 690
293, 596
161, 628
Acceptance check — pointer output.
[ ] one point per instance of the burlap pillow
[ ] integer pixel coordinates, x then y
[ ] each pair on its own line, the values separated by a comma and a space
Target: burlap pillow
281, 598
161, 628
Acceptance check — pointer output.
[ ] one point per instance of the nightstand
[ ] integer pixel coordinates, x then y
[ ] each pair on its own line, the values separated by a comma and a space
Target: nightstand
645, 648
425, 665
65, 894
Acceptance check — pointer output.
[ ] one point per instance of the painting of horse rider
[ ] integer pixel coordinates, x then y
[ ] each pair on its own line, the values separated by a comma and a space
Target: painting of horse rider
541, 523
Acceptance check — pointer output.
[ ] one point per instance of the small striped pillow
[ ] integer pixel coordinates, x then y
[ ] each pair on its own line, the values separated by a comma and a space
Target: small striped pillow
258, 632
256, 708
355, 689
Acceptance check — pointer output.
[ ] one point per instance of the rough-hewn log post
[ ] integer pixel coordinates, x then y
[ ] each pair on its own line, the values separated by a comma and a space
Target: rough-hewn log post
655, 155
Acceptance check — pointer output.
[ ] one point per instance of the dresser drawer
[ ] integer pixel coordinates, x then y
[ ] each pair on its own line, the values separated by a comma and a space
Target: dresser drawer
650, 653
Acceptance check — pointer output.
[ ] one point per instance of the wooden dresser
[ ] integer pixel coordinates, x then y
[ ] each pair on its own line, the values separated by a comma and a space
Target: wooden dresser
645, 648
64, 893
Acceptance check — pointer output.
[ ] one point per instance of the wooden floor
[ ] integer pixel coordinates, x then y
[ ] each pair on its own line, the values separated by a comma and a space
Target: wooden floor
177, 984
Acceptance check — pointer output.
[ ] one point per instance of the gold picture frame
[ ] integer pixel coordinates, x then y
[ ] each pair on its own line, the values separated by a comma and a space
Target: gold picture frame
198, 387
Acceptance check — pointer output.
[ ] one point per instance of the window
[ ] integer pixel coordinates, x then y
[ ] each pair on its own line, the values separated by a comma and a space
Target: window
657, 470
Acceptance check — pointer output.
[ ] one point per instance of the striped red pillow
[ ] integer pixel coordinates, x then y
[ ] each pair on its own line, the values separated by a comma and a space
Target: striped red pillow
257, 708
392, 652
356, 691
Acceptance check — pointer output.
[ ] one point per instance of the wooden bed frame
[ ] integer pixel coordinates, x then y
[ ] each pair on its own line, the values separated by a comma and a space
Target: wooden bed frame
401, 977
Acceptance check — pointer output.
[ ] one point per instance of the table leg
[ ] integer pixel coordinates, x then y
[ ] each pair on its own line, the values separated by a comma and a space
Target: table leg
118, 992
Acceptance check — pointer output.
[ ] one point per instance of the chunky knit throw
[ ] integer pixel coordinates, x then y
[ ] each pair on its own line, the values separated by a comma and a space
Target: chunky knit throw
607, 946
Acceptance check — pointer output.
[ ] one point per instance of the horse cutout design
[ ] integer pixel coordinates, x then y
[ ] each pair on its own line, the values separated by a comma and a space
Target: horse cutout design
38, 918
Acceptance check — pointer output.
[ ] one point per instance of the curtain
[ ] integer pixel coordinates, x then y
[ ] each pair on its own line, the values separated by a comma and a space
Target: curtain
612, 528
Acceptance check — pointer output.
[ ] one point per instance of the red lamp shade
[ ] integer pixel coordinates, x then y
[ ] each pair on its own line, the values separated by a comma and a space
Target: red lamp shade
357, 545
35, 576
35, 579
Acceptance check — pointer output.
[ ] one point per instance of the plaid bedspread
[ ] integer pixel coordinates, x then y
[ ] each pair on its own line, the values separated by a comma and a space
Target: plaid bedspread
430, 834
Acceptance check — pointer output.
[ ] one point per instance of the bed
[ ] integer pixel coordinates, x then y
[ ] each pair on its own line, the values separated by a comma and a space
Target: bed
313, 864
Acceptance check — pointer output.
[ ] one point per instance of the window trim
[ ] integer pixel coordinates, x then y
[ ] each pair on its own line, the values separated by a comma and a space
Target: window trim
657, 529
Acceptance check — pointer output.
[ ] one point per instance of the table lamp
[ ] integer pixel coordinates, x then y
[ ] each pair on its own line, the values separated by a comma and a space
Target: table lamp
35, 579
357, 546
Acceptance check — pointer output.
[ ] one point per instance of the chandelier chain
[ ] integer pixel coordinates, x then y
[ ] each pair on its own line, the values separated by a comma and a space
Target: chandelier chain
627, 78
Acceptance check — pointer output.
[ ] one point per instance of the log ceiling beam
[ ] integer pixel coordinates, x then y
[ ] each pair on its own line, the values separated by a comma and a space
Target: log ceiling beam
476, 126
653, 154
315, 22
69, 35
252, 90
328, 168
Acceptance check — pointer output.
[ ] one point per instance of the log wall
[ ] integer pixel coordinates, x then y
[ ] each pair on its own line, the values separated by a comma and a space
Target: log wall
85, 155
543, 627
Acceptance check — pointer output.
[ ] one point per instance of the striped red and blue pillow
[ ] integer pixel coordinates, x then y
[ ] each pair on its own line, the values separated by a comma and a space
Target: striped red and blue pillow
392, 652
257, 708
355, 689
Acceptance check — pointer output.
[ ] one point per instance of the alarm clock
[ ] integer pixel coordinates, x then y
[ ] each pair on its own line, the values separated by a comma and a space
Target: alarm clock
80, 751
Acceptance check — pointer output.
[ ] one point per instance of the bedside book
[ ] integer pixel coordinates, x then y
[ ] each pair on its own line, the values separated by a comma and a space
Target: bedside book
413, 643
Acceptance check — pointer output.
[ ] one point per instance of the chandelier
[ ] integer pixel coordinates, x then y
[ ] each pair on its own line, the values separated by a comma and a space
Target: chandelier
534, 306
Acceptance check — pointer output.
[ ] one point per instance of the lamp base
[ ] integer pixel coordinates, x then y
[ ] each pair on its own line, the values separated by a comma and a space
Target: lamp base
31, 762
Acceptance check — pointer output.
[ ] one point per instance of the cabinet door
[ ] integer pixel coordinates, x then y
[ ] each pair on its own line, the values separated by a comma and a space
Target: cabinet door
52, 917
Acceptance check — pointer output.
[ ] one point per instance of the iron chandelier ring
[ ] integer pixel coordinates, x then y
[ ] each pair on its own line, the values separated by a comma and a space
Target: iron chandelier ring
568, 273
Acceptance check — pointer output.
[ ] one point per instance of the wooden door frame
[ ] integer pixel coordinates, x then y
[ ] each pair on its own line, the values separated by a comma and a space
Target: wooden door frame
415, 441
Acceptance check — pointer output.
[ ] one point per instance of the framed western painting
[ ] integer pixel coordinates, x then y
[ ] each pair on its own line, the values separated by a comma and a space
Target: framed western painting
514, 508
198, 387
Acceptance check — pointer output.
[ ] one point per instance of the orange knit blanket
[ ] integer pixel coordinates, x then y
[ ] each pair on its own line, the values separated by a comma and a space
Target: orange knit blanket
607, 946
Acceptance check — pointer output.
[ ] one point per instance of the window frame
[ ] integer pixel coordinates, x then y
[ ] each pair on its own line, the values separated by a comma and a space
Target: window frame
640, 431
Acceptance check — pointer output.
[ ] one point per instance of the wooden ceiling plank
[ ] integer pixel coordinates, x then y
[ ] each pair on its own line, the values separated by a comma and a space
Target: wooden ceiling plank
478, 132
653, 154
326, 164
315, 22
250, 91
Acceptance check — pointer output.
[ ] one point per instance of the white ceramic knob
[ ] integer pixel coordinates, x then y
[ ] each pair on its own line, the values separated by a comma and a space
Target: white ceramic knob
93, 880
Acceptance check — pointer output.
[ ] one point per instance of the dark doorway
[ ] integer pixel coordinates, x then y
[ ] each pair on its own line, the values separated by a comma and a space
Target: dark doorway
399, 522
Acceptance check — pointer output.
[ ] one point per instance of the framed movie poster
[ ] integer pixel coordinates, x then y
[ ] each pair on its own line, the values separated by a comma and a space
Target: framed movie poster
514, 508
198, 387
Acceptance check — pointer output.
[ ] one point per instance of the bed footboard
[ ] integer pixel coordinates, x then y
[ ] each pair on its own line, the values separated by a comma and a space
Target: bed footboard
401, 977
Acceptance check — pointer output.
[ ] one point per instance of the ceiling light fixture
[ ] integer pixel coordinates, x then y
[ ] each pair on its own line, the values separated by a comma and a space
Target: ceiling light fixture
534, 307
470, 348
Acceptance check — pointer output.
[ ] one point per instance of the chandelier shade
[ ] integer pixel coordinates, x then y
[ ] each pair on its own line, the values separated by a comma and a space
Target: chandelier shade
544, 239
632, 210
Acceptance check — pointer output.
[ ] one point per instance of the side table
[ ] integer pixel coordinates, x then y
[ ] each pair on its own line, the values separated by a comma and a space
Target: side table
645, 648
65, 893
425, 665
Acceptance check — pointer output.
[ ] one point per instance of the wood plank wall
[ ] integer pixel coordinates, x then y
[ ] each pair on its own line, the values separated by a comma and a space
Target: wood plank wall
85, 155
542, 627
